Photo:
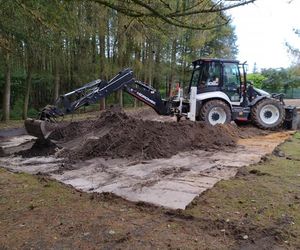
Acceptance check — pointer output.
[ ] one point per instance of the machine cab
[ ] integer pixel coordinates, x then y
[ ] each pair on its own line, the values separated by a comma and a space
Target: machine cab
211, 75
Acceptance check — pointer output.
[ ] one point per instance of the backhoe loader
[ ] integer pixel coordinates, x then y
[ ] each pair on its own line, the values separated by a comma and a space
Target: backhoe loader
218, 93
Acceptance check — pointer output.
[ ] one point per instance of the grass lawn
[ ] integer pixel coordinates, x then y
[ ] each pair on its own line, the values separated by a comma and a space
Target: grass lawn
258, 209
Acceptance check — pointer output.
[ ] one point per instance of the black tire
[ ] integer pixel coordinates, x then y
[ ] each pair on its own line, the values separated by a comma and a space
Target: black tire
268, 114
222, 112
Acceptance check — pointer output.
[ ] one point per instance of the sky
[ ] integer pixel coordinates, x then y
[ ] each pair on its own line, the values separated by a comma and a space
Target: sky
263, 28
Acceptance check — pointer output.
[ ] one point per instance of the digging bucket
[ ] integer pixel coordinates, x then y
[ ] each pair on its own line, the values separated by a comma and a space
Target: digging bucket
38, 128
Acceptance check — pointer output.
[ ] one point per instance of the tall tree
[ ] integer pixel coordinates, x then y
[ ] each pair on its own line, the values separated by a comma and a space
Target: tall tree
7, 87
55, 46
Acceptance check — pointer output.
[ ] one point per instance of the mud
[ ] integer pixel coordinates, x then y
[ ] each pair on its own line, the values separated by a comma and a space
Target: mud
39, 148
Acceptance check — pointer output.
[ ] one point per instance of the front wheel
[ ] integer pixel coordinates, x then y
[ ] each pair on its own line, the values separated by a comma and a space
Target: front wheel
268, 114
215, 112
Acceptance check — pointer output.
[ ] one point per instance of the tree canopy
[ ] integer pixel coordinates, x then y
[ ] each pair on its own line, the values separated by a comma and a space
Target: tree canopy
50, 47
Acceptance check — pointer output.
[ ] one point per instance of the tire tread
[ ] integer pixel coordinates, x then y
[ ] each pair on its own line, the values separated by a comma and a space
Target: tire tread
213, 103
255, 113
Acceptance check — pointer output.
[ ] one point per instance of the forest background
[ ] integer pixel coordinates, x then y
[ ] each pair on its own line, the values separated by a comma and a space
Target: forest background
48, 48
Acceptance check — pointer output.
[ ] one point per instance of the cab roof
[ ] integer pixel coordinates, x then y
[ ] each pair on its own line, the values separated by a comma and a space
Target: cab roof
197, 62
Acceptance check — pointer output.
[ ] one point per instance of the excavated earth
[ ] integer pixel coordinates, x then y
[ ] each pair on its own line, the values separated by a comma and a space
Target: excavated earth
144, 158
114, 154
117, 135
141, 156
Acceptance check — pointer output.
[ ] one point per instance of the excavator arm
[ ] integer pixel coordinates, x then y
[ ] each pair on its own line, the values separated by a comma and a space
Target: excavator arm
91, 93
149, 96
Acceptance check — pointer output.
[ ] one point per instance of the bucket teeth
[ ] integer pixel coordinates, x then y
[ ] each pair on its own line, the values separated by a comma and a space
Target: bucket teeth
38, 128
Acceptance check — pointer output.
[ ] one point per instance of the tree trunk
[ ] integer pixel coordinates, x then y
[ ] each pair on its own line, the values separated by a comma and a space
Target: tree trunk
102, 56
108, 34
156, 82
102, 104
69, 59
150, 64
28, 88
173, 65
120, 47
56, 80
135, 103
7, 88
120, 93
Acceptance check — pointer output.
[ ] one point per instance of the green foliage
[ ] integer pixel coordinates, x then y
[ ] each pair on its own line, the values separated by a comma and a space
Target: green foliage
257, 79
276, 79
79, 41
294, 73
281, 80
17, 110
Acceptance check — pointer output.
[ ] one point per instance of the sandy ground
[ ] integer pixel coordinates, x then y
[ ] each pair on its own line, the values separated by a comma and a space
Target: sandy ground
293, 102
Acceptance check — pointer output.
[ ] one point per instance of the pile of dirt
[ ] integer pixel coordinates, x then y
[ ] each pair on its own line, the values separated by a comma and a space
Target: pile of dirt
248, 131
39, 148
66, 131
117, 135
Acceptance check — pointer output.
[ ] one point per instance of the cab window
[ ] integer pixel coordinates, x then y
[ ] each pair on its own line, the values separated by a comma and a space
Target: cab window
195, 78
206, 75
210, 74
231, 76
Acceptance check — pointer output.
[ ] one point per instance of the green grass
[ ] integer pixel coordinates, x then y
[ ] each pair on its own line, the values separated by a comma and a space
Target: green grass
264, 199
89, 113
269, 199
11, 124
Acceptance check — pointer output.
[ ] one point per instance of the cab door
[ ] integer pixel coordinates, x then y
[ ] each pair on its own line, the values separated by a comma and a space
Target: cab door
231, 81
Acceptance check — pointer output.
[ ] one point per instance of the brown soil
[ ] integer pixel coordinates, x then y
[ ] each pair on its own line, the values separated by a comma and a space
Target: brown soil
37, 212
69, 130
115, 134
39, 148
118, 135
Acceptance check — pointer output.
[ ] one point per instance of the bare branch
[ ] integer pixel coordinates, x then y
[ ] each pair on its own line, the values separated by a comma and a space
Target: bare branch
126, 11
166, 4
210, 10
33, 14
167, 16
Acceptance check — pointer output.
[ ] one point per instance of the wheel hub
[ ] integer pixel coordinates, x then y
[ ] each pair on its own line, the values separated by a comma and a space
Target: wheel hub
217, 115
269, 114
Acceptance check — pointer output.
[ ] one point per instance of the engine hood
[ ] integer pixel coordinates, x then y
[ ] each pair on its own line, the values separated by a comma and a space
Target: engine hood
261, 92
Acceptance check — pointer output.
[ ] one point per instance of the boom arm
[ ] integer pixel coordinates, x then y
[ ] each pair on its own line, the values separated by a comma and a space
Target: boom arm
98, 89
149, 96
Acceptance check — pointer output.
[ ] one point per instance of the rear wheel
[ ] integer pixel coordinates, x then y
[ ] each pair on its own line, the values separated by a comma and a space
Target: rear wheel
268, 114
215, 112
